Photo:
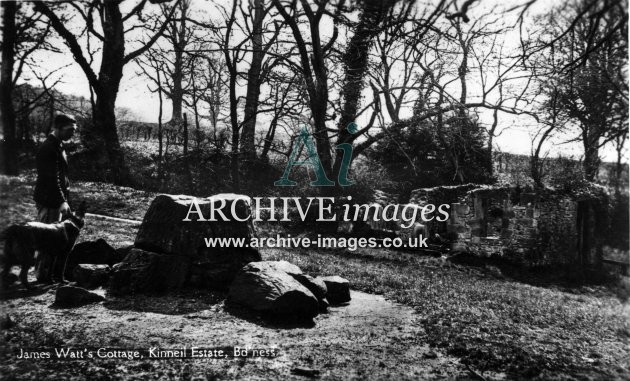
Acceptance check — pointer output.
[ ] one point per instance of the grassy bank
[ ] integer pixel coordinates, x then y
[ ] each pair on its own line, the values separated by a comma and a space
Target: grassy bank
493, 323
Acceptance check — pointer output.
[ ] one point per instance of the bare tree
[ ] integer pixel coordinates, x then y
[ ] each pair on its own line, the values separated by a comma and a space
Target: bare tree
552, 120
242, 36
589, 16
311, 64
255, 75
213, 90
26, 33
102, 138
427, 69
9, 11
594, 92
179, 37
233, 55
355, 62
286, 101
173, 51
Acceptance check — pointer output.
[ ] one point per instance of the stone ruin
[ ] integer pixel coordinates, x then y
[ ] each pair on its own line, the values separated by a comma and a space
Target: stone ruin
532, 228
169, 253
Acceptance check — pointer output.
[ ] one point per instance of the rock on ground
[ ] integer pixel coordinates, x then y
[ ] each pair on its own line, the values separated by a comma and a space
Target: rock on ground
91, 276
97, 252
70, 296
263, 287
146, 272
338, 289
164, 231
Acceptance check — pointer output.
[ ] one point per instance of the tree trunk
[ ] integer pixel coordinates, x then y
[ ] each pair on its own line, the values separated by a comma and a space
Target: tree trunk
235, 132
591, 153
185, 135
449, 152
196, 111
315, 74
356, 61
51, 113
491, 131
269, 137
177, 94
234, 162
231, 64
178, 39
248, 148
618, 165
197, 127
26, 137
106, 146
159, 127
319, 104
10, 155
186, 158
591, 163
536, 169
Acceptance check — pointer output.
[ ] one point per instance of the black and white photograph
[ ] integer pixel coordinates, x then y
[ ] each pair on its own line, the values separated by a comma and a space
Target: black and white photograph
314, 190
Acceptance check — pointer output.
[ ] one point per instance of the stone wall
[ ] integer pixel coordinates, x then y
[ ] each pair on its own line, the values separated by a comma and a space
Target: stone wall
527, 228
437, 196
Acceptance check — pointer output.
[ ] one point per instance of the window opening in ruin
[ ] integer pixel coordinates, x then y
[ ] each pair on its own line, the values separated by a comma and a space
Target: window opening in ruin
494, 220
583, 243
489, 214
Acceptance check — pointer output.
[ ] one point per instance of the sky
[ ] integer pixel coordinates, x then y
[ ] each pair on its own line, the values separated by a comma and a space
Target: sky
515, 132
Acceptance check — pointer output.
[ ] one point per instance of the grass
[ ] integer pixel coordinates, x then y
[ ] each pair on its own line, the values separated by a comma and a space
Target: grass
492, 323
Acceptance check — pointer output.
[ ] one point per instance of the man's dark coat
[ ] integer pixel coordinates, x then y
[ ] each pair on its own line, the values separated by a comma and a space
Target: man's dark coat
51, 188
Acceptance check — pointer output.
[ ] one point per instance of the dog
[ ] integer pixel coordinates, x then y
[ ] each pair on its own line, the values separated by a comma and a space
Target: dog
21, 242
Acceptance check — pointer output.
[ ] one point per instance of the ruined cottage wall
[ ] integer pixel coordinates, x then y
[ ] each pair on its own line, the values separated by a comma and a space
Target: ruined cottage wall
438, 196
556, 236
525, 228
478, 223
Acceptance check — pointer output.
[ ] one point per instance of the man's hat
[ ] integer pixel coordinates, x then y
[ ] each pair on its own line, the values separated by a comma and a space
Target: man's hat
62, 119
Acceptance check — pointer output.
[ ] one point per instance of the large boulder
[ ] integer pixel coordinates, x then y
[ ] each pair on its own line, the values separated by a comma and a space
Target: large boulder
338, 289
70, 296
91, 276
147, 272
97, 252
265, 288
163, 230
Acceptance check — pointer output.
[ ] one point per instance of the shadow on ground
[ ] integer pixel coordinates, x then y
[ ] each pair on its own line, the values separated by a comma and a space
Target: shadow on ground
17, 291
191, 301
269, 321
571, 279
182, 302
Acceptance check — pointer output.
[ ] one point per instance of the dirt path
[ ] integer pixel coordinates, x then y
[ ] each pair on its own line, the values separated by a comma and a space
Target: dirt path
369, 338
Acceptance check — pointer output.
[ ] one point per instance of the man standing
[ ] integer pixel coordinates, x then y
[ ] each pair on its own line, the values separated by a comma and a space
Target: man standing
51, 190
